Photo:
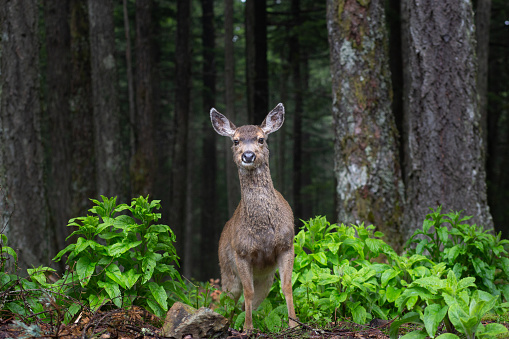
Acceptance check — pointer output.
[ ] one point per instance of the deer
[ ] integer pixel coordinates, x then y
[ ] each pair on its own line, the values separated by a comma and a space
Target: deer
258, 238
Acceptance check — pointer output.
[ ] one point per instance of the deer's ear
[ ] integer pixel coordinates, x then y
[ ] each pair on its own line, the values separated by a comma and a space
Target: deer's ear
221, 124
274, 119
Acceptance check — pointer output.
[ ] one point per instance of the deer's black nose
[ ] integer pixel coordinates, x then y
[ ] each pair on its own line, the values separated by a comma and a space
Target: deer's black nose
248, 157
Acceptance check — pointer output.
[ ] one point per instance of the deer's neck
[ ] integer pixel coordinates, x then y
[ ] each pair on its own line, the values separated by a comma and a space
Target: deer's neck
255, 181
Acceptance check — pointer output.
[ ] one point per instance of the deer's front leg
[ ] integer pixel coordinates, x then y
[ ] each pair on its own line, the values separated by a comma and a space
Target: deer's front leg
285, 263
245, 272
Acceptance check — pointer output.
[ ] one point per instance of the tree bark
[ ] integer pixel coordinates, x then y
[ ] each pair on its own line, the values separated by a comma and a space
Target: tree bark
442, 141
256, 61
111, 169
232, 180
182, 96
58, 77
210, 229
370, 187
144, 163
81, 112
23, 207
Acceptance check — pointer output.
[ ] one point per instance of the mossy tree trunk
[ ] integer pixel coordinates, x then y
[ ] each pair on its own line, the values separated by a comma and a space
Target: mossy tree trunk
369, 184
444, 162
23, 206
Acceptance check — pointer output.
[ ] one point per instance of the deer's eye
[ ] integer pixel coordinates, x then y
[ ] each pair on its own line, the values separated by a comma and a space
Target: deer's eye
260, 141
236, 142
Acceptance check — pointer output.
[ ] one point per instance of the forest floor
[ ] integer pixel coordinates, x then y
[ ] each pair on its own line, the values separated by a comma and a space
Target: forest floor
136, 323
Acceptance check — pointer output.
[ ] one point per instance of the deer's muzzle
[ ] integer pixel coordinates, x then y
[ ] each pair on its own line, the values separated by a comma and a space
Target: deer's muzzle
248, 157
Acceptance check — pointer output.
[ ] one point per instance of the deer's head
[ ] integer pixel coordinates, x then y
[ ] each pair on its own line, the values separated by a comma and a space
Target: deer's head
249, 142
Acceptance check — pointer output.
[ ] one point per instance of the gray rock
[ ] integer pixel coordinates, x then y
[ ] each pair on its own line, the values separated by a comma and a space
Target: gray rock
182, 320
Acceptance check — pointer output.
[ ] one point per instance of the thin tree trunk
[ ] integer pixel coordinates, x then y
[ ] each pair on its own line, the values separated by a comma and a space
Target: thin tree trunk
111, 174
182, 96
210, 228
256, 61
58, 79
144, 164
23, 207
81, 112
443, 138
130, 81
370, 188
294, 46
232, 181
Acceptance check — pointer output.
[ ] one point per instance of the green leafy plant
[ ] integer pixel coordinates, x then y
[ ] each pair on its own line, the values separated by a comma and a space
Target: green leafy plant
121, 256
432, 299
469, 250
30, 299
333, 276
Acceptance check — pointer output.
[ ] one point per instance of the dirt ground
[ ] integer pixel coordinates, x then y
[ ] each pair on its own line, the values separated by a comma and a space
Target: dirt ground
137, 323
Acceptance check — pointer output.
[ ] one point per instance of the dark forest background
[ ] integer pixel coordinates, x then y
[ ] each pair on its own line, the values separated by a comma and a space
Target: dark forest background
112, 98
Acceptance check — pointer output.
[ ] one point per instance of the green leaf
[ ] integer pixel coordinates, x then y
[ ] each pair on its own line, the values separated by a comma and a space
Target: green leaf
96, 301
388, 275
392, 293
273, 321
71, 312
69, 248
156, 308
10, 251
433, 316
148, 264
131, 277
239, 322
320, 257
159, 295
114, 273
116, 250
492, 330
85, 269
113, 292
359, 313
415, 335
447, 336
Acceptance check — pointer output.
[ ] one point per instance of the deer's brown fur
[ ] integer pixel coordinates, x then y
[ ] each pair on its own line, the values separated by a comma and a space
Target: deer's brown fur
258, 238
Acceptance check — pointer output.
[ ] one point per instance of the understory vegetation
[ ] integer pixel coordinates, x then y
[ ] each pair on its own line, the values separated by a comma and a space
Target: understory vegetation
450, 276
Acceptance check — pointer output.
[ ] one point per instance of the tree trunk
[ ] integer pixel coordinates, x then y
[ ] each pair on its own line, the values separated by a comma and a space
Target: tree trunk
232, 180
256, 61
111, 174
295, 66
23, 207
144, 164
56, 19
369, 185
210, 228
482, 33
443, 143
498, 121
81, 113
182, 96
